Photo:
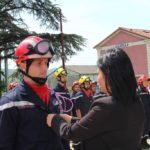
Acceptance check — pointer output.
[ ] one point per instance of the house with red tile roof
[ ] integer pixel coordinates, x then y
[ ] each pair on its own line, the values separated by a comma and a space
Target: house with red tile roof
136, 43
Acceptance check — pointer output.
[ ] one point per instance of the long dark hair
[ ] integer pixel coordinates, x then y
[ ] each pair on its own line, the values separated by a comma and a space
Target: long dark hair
119, 75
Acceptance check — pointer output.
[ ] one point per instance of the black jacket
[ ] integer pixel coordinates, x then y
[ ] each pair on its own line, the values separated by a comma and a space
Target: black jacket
107, 126
82, 102
23, 122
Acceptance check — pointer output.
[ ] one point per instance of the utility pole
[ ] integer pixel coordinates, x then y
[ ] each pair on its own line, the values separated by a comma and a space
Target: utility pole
6, 68
62, 41
5, 58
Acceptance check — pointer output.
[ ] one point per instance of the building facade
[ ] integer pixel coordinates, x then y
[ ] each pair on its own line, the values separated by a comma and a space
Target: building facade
136, 43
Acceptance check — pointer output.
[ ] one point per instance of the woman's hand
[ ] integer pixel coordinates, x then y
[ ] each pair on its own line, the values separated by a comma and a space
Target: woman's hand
66, 117
49, 119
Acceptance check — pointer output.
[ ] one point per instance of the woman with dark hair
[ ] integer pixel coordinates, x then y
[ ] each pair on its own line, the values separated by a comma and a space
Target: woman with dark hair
114, 122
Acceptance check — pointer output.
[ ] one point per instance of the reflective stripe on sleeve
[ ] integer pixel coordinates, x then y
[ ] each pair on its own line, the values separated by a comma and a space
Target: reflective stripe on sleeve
77, 97
15, 104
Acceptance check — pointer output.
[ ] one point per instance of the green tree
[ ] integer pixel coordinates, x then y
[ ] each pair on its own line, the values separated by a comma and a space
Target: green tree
13, 29
2, 83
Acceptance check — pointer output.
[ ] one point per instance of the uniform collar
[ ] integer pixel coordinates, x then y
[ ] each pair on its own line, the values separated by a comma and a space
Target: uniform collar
29, 95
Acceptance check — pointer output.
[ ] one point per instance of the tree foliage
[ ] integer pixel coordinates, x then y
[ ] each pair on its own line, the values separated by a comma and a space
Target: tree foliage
13, 29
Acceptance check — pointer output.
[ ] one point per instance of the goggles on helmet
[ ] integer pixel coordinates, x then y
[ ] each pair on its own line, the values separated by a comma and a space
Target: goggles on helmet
42, 48
63, 73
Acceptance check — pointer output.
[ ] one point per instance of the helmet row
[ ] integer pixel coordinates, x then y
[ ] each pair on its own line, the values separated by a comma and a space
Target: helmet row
35, 47
62, 72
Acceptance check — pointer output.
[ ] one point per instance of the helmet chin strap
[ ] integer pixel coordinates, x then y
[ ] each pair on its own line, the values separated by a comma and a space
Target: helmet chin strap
86, 88
40, 81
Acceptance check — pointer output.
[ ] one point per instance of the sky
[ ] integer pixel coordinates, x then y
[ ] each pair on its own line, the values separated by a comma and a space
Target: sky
95, 20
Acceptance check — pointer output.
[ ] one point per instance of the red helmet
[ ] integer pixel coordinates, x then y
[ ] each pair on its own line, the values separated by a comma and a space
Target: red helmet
75, 83
33, 47
142, 78
12, 85
94, 82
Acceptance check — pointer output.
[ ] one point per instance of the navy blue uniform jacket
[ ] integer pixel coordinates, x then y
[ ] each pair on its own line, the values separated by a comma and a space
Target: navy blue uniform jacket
62, 92
23, 122
82, 102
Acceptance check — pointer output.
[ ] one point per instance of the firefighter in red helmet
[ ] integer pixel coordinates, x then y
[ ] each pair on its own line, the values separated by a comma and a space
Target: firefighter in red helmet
93, 87
143, 81
75, 86
12, 85
23, 110
33, 48
145, 97
75, 90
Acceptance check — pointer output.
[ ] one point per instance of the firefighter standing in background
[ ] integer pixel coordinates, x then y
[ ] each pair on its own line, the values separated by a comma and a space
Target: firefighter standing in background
96, 93
148, 88
82, 102
75, 90
83, 98
145, 97
93, 87
60, 96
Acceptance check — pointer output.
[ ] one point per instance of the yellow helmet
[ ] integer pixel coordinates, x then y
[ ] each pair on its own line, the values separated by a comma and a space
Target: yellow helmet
84, 79
60, 71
